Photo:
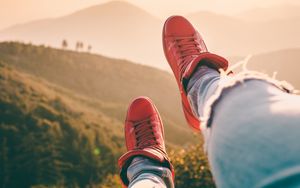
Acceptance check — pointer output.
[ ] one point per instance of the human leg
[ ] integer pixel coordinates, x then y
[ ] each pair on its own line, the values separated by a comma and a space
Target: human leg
146, 163
251, 124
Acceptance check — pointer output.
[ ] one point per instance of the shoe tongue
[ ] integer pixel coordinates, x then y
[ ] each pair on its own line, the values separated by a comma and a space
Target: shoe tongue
191, 60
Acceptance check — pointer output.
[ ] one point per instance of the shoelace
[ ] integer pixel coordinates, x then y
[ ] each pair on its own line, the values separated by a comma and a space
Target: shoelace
187, 46
145, 134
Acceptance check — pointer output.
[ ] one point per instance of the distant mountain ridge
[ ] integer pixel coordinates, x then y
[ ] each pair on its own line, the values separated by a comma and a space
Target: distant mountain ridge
122, 30
117, 29
231, 36
284, 11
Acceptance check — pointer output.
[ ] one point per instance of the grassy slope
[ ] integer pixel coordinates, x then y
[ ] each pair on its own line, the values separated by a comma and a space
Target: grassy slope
62, 113
110, 82
45, 140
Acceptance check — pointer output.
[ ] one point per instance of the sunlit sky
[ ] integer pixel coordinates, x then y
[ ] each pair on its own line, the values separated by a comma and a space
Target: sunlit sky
19, 11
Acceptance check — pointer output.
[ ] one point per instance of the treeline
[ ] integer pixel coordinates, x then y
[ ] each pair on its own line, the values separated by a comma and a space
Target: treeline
79, 46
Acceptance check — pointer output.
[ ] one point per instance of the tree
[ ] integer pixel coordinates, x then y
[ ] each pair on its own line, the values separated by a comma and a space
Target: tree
89, 48
79, 45
64, 44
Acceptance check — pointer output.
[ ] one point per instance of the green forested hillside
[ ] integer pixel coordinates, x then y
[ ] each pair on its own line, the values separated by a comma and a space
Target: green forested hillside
62, 114
44, 140
115, 82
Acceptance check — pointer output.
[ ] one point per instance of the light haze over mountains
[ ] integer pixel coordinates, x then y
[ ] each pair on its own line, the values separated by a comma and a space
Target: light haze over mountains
123, 30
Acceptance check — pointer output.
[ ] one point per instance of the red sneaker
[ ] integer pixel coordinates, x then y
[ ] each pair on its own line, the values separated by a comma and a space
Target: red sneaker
184, 50
144, 135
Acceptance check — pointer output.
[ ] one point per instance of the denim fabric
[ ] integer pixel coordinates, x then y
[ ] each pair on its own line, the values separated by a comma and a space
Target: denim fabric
252, 133
148, 180
145, 173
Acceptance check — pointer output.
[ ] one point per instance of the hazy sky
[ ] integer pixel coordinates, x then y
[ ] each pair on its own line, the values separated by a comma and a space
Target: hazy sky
19, 11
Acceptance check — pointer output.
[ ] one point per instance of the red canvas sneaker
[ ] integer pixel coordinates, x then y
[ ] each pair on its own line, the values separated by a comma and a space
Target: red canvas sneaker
184, 50
144, 135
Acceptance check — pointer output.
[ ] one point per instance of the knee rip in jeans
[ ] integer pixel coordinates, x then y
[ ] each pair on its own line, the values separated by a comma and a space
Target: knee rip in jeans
228, 82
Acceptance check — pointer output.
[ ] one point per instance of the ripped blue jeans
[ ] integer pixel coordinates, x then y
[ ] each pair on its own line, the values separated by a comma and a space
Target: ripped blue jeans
251, 126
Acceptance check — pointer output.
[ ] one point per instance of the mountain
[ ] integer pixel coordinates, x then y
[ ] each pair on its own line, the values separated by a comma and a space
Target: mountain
285, 11
48, 136
284, 62
113, 82
122, 30
231, 36
117, 29
62, 115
